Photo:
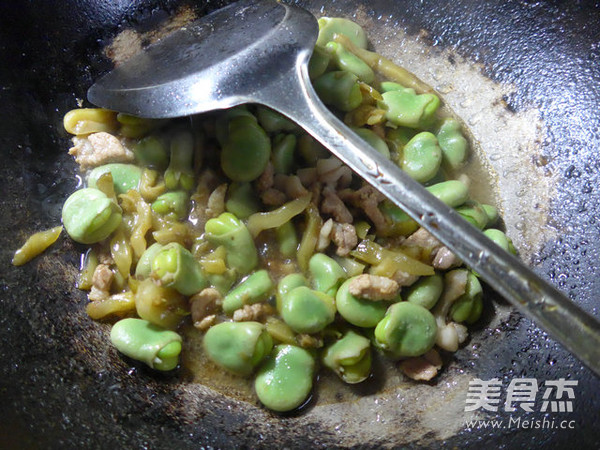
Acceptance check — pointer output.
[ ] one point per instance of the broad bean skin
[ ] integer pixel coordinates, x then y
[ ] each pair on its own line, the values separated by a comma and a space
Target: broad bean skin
349, 357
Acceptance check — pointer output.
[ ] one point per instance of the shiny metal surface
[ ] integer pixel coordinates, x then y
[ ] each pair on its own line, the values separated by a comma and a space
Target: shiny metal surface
257, 52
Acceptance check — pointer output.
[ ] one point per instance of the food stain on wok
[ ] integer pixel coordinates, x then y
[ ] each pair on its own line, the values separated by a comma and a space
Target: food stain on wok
209, 374
506, 144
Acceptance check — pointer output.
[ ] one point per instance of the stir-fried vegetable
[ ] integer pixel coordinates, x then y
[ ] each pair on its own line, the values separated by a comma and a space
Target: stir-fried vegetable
244, 228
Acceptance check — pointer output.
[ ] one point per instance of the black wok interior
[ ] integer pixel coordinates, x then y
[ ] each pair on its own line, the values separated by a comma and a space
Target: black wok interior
61, 388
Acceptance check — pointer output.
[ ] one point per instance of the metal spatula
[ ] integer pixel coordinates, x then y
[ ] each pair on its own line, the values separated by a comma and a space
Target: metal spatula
257, 52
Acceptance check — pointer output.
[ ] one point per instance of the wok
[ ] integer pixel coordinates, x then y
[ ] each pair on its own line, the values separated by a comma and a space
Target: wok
524, 76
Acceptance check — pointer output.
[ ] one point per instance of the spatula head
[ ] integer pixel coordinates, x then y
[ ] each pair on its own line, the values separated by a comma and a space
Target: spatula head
218, 61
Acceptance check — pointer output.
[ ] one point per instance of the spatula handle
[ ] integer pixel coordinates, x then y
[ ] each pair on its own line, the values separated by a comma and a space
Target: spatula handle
578, 331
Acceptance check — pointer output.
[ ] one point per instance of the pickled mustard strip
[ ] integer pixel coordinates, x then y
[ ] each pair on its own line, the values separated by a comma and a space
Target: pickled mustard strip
35, 245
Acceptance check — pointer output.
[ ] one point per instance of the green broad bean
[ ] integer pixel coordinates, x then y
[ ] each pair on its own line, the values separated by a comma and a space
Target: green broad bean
143, 269
223, 122
319, 62
402, 223
287, 239
345, 60
406, 330
89, 216
339, 89
146, 342
274, 122
242, 200
284, 149
286, 284
175, 267
152, 152
474, 213
310, 149
421, 157
125, 176
453, 143
349, 357
492, 214
406, 108
398, 137
501, 239
246, 151
467, 308
285, 379
360, 312
180, 173
326, 274
306, 310
452, 192
426, 291
373, 140
238, 346
330, 26
254, 289
230, 232
174, 202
